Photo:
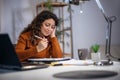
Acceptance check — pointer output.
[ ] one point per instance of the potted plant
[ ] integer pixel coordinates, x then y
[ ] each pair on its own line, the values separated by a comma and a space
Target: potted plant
95, 48
95, 54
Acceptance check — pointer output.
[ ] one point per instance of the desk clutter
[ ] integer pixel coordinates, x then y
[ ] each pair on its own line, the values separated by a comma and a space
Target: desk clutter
61, 61
74, 62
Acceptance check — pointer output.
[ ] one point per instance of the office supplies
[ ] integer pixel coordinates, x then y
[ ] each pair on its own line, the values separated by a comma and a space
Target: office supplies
9, 58
47, 60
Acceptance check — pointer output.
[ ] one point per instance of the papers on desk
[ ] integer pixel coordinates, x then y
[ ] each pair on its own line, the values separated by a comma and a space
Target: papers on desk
47, 59
63, 61
76, 62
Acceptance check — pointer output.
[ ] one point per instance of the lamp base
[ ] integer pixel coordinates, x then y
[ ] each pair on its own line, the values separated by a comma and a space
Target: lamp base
103, 63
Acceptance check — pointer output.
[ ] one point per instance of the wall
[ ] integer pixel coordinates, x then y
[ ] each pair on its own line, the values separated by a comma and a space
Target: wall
16, 15
88, 27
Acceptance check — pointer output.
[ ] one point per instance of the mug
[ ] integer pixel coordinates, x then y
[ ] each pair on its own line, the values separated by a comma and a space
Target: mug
83, 53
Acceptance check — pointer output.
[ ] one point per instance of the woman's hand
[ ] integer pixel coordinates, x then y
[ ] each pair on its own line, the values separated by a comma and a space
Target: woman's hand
53, 33
43, 43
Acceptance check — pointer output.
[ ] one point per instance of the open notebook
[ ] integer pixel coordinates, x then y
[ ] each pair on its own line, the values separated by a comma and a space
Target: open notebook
9, 58
47, 60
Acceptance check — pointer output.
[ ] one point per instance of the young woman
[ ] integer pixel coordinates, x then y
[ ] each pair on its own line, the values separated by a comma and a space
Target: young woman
38, 40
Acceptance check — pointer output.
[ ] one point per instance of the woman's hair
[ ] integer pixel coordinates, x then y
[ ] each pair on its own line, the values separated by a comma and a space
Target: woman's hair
35, 27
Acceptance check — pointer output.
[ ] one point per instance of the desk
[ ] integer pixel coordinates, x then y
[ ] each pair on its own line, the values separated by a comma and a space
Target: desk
47, 73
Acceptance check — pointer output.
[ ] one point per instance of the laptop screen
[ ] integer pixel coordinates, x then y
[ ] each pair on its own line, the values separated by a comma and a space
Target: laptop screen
8, 56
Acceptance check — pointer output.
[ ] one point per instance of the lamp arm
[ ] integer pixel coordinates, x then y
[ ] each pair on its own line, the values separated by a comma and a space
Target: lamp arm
102, 10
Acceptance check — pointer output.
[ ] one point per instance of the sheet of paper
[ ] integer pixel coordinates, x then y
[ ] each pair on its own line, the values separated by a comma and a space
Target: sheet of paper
76, 62
48, 59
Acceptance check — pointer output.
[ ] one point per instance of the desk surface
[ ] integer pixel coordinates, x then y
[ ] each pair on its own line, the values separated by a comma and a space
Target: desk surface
47, 73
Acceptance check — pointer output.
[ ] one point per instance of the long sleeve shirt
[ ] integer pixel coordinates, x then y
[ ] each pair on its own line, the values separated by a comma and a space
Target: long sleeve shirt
25, 49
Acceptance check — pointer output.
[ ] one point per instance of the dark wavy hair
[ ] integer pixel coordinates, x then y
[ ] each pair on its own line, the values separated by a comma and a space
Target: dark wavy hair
35, 27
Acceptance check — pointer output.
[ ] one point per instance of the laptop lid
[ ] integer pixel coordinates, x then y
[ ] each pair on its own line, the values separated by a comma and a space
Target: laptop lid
8, 56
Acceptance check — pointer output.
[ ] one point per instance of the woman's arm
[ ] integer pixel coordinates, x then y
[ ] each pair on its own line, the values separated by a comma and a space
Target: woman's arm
23, 49
56, 51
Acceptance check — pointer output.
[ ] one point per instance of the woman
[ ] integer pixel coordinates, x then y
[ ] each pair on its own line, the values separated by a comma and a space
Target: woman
38, 40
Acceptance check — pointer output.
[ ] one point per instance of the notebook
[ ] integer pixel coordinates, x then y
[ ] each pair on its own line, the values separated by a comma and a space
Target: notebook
9, 58
48, 60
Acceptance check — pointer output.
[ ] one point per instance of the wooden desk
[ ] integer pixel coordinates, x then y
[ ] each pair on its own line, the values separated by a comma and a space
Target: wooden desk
47, 73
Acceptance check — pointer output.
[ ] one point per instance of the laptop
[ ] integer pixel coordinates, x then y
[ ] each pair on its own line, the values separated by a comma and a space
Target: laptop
9, 58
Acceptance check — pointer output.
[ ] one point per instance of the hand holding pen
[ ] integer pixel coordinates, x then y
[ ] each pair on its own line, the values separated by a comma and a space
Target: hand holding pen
43, 43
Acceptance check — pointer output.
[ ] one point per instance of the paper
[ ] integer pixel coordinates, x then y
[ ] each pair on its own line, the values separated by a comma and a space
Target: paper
76, 62
48, 59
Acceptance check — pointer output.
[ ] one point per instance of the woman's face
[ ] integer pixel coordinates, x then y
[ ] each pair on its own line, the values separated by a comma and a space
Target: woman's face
47, 27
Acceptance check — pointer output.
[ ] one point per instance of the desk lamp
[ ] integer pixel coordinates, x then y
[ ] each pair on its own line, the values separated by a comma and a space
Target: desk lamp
109, 21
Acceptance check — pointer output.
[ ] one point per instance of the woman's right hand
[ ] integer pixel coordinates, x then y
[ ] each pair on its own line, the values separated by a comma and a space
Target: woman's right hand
43, 43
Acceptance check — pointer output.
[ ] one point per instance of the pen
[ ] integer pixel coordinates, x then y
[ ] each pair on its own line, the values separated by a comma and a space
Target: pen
37, 37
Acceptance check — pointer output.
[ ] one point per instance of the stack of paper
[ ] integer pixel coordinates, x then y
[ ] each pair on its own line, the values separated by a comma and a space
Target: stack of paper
76, 62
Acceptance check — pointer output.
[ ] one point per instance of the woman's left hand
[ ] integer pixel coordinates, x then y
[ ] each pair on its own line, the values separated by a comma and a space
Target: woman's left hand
53, 33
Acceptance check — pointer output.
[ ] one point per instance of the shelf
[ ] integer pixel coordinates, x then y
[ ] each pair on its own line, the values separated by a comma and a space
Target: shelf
54, 4
67, 29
